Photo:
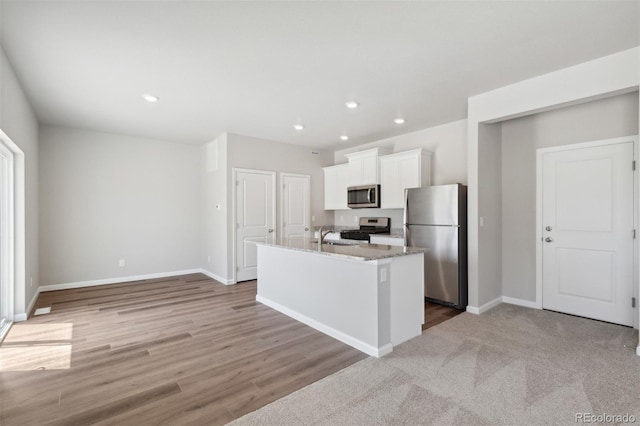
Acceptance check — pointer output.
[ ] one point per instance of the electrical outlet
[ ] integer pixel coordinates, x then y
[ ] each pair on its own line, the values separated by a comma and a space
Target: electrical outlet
121, 263
355, 219
481, 221
31, 279
209, 259
341, 218
313, 218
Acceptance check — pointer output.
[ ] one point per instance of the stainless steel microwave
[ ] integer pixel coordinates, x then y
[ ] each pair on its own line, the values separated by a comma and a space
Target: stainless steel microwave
359, 197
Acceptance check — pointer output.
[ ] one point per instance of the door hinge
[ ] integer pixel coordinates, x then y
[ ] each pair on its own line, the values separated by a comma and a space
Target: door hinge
633, 165
633, 302
634, 234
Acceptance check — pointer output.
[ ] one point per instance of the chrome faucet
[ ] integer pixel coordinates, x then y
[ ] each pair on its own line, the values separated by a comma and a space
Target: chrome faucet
321, 236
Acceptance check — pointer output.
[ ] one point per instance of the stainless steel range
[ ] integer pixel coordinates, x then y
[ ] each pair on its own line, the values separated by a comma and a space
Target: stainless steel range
368, 226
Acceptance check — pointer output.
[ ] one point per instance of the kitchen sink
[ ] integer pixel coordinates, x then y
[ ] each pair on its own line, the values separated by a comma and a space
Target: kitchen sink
338, 243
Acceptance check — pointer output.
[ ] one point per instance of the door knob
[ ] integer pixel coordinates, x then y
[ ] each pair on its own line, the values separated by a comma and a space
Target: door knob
306, 229
548, 228
270, 230
548, 239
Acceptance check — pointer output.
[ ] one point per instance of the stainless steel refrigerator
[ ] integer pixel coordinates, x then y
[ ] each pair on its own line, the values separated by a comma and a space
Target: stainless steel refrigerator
435, 218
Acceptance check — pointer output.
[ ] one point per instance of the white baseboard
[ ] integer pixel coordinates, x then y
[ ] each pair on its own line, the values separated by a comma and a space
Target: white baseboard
484, 308
503, 299
521, 302
473, 310
24, 315
330, 331
217, 277
117, 280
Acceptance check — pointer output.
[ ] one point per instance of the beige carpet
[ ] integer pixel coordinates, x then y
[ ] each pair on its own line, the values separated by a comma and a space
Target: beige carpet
511, 366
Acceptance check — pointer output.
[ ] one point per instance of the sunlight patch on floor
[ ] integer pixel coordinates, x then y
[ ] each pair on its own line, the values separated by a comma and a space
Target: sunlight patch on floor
37, 347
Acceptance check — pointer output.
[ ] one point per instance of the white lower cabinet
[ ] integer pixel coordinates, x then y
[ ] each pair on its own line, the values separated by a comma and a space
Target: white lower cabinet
335, 187
402, 170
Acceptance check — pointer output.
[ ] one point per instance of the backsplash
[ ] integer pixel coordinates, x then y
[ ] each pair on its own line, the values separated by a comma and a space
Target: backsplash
349, 218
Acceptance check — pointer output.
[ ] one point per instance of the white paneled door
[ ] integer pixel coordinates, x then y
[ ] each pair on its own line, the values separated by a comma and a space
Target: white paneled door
296, 205
588, 230
255, 218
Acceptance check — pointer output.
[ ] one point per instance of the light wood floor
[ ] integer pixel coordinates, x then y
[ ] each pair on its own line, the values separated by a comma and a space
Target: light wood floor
434, 314
169, 351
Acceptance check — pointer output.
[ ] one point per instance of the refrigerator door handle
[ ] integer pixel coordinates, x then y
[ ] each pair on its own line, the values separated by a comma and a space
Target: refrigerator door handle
407, 234
406, 208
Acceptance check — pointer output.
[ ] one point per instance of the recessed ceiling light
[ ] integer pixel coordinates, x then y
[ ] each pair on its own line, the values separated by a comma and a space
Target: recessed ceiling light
298, 126
344, 137
398, 120
352, 104
149, 97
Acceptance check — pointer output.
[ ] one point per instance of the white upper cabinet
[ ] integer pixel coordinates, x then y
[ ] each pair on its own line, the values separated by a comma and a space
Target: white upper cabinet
363, 166
408, 169
335, 187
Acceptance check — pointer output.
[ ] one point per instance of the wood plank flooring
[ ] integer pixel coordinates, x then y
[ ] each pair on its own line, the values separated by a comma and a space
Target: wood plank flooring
434, 314
180, 350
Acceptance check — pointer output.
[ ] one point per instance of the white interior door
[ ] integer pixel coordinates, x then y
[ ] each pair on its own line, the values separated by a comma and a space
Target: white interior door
588, 230
296, 205
255, 218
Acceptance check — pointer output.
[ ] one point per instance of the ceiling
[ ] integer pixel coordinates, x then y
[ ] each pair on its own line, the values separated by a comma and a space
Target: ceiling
258, 68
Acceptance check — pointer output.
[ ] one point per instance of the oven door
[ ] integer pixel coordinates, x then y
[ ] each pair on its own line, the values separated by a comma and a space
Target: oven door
363, 196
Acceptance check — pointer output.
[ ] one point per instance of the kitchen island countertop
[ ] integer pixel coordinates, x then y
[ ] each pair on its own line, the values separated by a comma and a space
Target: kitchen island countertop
358, 251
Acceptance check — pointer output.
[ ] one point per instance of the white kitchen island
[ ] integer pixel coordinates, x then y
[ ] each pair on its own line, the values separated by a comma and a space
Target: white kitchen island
368, 296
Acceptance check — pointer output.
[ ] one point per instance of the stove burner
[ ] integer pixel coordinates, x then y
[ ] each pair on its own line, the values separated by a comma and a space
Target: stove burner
368, 226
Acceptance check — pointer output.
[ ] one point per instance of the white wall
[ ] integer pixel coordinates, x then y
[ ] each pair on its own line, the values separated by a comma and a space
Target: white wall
215, 229
602, 119
447, 142
106, 197
18, 121
490, 212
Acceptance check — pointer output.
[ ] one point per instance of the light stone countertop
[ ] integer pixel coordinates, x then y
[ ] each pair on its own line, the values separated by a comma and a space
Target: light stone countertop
361, 251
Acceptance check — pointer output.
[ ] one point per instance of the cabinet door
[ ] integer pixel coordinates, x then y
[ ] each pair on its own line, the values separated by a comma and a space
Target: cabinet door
340, 188
356, 166
335, 187
370, 170
409, 172
401, 171
390, 184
